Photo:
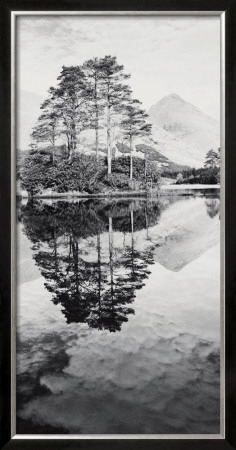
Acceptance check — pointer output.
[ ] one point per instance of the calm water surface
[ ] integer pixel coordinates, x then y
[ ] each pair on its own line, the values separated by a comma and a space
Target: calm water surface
119, 316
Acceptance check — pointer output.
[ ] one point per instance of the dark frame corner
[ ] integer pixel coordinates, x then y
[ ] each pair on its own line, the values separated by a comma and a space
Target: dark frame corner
229, 7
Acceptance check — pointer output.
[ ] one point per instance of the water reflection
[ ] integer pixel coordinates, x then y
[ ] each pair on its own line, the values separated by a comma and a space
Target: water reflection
213, 207
146, 268
94, 281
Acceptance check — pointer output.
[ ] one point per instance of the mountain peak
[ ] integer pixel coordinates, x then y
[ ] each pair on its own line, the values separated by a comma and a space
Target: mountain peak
173, 100
174, 104
173, 96
185, 124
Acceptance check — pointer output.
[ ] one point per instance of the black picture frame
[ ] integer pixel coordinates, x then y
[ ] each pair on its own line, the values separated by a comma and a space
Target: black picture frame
229, 7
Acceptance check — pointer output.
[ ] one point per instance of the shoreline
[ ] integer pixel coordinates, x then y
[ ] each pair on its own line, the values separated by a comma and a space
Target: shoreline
189, 186
162, 190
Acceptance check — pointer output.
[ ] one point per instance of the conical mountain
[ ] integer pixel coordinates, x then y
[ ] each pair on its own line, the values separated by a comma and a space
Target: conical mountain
183, 133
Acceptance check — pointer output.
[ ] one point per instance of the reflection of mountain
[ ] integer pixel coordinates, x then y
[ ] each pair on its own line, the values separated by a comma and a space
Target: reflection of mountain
95, 255
186, 231
213, 207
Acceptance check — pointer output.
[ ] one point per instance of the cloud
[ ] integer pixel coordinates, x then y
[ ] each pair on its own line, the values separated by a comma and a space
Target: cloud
53, 26
174, 389
171, 54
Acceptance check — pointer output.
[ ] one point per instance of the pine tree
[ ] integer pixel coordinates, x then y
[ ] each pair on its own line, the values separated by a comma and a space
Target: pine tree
71, 96
93, 72
211, 173
47, 127
115, 95
134, 125
212, 159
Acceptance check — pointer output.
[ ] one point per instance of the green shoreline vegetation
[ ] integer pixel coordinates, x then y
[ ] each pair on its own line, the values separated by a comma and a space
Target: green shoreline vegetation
94, 97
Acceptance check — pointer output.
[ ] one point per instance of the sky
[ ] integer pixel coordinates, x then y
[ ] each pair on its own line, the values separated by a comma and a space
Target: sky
163, 54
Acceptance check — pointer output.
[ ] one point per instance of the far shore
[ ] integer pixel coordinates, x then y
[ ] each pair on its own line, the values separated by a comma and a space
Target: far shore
189, 186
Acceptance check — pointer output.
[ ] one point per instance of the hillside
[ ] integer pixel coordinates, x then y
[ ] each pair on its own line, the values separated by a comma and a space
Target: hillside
182, 132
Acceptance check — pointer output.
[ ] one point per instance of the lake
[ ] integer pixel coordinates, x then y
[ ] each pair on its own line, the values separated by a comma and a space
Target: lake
118, 315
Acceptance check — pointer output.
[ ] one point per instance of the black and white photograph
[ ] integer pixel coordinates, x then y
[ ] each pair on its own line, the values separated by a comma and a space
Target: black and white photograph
118, 180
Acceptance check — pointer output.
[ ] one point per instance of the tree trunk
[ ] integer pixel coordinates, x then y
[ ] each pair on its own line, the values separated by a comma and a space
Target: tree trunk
73, 137
68, 146
55, 251
53, 153
99, 272
145, 166
132, 239
146, 221
70, 246
108, 141
131, 163
70, 152
76, 264
111, 257
53, 146
132, 223
96, 119
96, 137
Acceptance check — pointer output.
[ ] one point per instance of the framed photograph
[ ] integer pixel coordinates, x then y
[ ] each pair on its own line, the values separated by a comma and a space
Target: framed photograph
118, 225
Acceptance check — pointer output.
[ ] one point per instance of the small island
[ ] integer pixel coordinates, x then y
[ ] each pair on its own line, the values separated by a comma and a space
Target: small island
94, 139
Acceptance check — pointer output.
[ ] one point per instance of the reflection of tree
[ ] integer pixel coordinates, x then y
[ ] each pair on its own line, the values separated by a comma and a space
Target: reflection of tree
136, 261
213, 207
126, 274
120, 213
94, 282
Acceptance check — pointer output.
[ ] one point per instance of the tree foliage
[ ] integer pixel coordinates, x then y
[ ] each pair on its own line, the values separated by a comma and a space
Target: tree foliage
209, 174
212, 159
93, 96
47, 128
82, 174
